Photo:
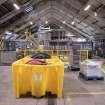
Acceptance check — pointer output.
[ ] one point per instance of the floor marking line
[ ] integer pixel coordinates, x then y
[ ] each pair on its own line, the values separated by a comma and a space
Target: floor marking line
87, 93
69, 100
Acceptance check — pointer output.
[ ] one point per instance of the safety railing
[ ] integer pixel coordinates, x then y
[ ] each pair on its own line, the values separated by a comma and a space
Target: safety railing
63, 54
60, 53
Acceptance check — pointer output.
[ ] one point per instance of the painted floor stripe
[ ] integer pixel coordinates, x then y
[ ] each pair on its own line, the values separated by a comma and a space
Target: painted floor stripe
87, 93
69, 100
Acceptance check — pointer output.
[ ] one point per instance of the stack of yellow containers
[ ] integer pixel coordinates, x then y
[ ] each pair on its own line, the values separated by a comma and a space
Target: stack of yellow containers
38, 79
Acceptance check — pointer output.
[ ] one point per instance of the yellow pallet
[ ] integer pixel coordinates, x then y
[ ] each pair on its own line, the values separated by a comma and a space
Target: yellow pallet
38, 79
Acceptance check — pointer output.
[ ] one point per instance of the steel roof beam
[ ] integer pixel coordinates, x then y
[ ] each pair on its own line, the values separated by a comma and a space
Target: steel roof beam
35, 18
58, 16
14, 12
26, 18
63, 9
2, 1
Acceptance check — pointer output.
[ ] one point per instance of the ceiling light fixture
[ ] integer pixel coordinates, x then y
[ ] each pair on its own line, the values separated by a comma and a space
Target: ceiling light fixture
95, 14
8, 33
87, 7
64, 22
25, 32
81, 40
46, 22
72, 22
16, 6
70, 35
31, 23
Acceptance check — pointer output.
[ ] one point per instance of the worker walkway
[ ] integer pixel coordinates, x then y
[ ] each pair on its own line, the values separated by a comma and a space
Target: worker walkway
76, 91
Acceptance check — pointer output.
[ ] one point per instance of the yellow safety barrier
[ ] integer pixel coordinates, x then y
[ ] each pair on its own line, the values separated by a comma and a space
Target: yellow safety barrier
38, 79
28, 52
58, 53
83, 55
65, 53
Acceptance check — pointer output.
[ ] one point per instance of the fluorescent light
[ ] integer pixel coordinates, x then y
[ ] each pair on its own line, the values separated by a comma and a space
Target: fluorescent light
81, 40
8, 33
87, 7
70, 35
95, 14
46, 22
28, 46
64, 22
72, 22
16, 6
31, 23
25, 32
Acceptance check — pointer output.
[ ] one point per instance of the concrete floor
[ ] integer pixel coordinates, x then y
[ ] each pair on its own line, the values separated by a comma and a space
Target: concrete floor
76, 91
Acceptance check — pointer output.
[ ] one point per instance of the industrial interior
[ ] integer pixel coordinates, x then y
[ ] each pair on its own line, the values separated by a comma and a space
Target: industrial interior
52, 52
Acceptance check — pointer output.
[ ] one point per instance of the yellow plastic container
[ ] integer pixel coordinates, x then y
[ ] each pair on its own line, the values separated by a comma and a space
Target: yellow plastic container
38, 79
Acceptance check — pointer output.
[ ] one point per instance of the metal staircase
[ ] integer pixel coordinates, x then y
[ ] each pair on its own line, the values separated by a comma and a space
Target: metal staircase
30, 39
